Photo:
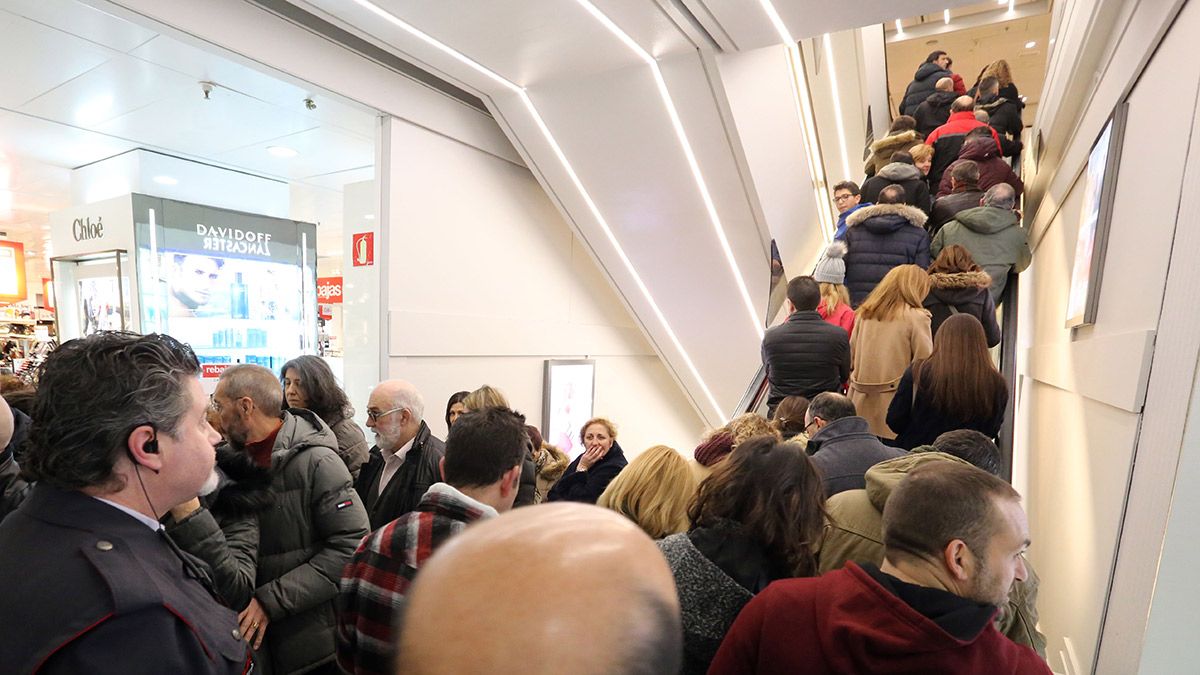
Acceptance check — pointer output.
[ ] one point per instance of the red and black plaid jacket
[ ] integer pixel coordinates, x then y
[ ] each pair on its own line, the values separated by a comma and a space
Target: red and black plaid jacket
377, 577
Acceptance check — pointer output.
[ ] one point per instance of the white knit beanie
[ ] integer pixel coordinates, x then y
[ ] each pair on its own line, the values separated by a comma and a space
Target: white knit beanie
831, 269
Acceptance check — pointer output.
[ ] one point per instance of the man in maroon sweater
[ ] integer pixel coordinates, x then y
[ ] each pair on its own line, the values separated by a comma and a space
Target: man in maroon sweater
953, 537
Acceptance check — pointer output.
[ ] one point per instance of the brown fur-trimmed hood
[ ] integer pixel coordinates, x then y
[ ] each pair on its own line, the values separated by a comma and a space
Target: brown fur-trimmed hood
957, 280
912, 214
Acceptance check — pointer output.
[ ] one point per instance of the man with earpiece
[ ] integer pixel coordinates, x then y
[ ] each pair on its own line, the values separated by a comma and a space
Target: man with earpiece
92, 583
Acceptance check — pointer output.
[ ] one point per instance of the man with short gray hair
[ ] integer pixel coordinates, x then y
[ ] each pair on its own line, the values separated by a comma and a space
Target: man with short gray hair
404, 462
993, 234
307, 537
841, 443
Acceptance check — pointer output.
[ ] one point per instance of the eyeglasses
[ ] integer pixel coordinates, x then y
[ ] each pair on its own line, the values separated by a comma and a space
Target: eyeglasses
374, 415
809, 426
842, 198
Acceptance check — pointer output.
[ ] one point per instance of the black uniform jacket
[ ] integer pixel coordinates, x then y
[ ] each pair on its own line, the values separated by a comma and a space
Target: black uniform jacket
90, 589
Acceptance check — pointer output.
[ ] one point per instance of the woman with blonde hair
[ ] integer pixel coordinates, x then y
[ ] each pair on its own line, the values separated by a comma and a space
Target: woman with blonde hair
653, 491
589, 474
922, 154
487, 396
830, 275
891, 331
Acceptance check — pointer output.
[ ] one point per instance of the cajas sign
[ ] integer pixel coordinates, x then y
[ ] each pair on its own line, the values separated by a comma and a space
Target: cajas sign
329, 290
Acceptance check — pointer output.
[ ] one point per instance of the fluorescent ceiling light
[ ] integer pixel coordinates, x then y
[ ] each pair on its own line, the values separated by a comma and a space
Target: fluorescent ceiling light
281, 151
566, 164
1031, 44
946, 15
166, 180
1012, 5
690, 154
899, 26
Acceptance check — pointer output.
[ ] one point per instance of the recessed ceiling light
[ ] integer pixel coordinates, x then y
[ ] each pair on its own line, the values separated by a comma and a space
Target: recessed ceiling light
946, 15
166, 180
281, 151
1031, 44
369, 216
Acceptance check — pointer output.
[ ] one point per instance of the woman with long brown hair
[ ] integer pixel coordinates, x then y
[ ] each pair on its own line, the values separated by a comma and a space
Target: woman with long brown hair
756, 519
891, 330
957, 387
959, 286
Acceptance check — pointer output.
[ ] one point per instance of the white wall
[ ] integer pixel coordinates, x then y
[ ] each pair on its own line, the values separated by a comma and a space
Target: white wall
486, 281
1089, 397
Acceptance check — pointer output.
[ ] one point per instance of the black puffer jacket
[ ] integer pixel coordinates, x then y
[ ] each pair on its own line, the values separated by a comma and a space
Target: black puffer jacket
907, 176
924, 83
934, 111
963, 293
316, 524
404, 491
879, 238
945, 208
805, 356
587, 486
1004, 115
224, 534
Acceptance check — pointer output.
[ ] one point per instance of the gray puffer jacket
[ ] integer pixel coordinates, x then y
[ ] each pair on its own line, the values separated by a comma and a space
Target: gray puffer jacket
307, 537
351, 444
224, 534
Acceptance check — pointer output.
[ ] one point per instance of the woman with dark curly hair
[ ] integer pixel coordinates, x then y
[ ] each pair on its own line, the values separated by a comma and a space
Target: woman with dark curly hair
756, 519
309, 383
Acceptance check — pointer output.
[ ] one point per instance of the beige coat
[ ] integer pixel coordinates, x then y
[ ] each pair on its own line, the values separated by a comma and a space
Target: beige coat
882, 149
880, 351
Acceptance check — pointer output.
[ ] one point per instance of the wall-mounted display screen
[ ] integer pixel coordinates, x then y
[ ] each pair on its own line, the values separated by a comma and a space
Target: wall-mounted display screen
239, 288
567, 399
1091, 243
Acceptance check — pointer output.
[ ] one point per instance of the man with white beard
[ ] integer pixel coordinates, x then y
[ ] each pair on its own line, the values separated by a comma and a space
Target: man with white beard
406, 458
92, 584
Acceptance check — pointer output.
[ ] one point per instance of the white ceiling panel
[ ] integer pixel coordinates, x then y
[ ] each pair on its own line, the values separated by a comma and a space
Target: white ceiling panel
199, 65
54, 143
206, 128
83, 21
118, 87
339, 178
41, 58
536, 40
321, 151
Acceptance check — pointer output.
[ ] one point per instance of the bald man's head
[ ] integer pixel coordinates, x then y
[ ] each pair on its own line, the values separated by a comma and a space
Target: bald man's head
559, 588
962, 104
944, 84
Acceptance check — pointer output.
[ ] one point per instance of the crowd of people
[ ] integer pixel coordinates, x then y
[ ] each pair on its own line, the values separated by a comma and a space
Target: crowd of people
861, 525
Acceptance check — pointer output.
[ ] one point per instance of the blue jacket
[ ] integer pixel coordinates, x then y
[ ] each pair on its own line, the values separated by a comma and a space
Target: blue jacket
840, 235
879, 238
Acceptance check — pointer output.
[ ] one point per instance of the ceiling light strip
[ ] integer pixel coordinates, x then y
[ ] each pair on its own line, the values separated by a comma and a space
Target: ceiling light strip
697, 175
566, 164
837, 106
429, 40
637, 279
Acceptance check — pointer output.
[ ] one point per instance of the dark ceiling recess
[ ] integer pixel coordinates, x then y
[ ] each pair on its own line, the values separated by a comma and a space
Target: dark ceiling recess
350, 41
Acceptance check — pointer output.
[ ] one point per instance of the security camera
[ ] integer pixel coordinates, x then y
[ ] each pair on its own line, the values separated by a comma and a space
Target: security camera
207, 87
310, 104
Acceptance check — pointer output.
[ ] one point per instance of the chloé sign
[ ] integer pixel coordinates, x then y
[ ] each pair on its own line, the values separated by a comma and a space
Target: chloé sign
83, 229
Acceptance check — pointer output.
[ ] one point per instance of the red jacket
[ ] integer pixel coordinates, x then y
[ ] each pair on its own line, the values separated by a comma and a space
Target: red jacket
947, 141
842, 316
846, 622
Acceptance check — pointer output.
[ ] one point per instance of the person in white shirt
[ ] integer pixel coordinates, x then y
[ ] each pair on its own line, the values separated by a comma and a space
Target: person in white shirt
404, 462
